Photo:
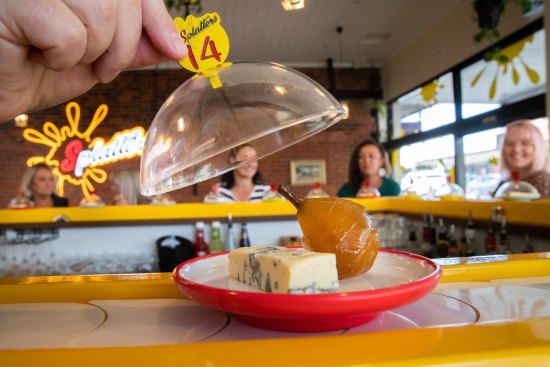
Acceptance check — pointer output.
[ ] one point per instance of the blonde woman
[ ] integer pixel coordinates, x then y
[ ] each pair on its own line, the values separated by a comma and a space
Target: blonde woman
126, 187
525, 151
38, 186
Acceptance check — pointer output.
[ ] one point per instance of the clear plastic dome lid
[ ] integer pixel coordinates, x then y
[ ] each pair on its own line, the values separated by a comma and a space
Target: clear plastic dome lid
450, 191
266, 105
517, 190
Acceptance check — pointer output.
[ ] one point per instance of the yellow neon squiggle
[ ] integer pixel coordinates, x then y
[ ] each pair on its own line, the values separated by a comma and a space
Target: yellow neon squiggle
55, 138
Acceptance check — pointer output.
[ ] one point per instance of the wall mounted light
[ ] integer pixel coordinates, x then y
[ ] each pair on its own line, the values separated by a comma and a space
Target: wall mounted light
293, 4
21, 120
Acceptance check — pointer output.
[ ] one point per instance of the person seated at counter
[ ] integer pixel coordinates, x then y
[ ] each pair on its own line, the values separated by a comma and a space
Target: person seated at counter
243, 183
125, 186
525, 151
38, 188
369, 161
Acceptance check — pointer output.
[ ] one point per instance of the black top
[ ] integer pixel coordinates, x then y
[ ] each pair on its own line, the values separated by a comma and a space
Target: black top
57, 200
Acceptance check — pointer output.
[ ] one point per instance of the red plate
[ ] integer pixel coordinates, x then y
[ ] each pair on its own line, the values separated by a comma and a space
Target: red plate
396, 279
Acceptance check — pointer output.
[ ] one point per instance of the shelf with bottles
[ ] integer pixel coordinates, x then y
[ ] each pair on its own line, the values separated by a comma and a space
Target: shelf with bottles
438, 237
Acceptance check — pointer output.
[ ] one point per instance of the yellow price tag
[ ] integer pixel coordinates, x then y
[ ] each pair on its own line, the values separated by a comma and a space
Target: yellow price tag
207, 45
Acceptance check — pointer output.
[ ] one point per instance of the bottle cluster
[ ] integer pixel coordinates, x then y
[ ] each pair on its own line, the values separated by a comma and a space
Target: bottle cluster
215, 244
438, 240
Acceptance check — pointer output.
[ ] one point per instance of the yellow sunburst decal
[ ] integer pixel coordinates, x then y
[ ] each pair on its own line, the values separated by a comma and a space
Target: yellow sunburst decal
505, 58
75, 156
430, 90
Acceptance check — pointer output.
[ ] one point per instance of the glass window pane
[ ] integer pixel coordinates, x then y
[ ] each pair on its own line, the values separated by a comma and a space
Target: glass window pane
426, 165
481, 154
511, 74
425, 108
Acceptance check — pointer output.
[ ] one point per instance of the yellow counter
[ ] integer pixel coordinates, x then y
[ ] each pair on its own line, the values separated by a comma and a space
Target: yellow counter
510, 343
533, 213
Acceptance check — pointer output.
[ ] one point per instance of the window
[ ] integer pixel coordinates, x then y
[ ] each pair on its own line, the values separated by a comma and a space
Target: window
481, 155
425, 108
513, 73
426, 165
500, 84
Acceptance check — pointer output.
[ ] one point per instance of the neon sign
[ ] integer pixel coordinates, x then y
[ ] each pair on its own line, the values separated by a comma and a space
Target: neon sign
74, 156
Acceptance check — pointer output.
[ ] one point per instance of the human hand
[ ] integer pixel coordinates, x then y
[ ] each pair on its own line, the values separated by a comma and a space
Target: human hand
55, 50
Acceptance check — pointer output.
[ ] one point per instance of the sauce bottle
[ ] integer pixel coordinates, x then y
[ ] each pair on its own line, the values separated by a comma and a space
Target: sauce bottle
215, 244
230, 238
200, 248
245, 239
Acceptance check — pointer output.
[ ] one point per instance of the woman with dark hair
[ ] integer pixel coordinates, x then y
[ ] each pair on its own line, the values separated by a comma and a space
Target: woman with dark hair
243, 183
369, 161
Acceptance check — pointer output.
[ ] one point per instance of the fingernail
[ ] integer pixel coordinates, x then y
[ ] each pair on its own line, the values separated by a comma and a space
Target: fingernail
178, 45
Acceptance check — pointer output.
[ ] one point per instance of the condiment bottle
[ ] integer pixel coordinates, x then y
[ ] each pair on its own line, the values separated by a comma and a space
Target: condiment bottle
470, 234
503, 243
317, 191
442, 240
490, 239
200, 248
215, 244
230, 237
367, 191
462, 247
245, 239
452, 250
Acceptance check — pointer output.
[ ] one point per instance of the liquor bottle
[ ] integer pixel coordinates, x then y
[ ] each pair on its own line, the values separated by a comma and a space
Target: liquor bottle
462, 246
470, 234
245, 239
503, 244
317, 191
413, 245
453, 242
367, 191
426, 245
490, 239
442, 240
215, 244
528, 246
230, 238
200, 248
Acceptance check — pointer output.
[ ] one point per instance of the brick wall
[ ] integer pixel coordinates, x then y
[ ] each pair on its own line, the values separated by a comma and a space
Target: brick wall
135, 96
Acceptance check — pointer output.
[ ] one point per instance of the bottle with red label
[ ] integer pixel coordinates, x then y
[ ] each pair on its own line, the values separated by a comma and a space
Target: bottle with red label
367, 191
200, 247
490, 239
317, 191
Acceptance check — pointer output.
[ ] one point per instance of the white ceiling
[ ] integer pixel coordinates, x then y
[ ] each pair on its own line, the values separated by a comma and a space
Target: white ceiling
263, 30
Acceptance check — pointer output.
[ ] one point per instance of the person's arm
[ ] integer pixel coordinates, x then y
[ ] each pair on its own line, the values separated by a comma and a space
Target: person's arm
54, 50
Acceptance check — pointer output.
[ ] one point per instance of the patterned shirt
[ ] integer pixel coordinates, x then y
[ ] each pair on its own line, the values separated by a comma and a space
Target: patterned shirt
225, 195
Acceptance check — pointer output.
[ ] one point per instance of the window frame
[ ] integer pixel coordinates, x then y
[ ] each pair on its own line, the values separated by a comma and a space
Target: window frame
529, 108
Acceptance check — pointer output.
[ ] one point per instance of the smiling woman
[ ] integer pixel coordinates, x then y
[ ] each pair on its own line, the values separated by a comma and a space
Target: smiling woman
38, 186
525, 151
245, 182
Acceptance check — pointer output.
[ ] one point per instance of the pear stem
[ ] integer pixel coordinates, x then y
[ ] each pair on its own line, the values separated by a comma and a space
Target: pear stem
285, 191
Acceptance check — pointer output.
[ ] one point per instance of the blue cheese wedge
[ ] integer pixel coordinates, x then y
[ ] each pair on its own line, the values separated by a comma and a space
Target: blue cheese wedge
284, 270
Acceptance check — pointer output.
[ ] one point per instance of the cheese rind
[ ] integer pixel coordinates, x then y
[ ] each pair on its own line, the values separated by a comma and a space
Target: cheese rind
284, 270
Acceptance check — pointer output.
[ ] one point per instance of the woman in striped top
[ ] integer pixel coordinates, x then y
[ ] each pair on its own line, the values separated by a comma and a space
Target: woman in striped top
243, 183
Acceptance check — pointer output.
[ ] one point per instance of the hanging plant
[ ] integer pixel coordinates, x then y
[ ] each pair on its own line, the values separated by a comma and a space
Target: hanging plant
488, 14
188, 5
